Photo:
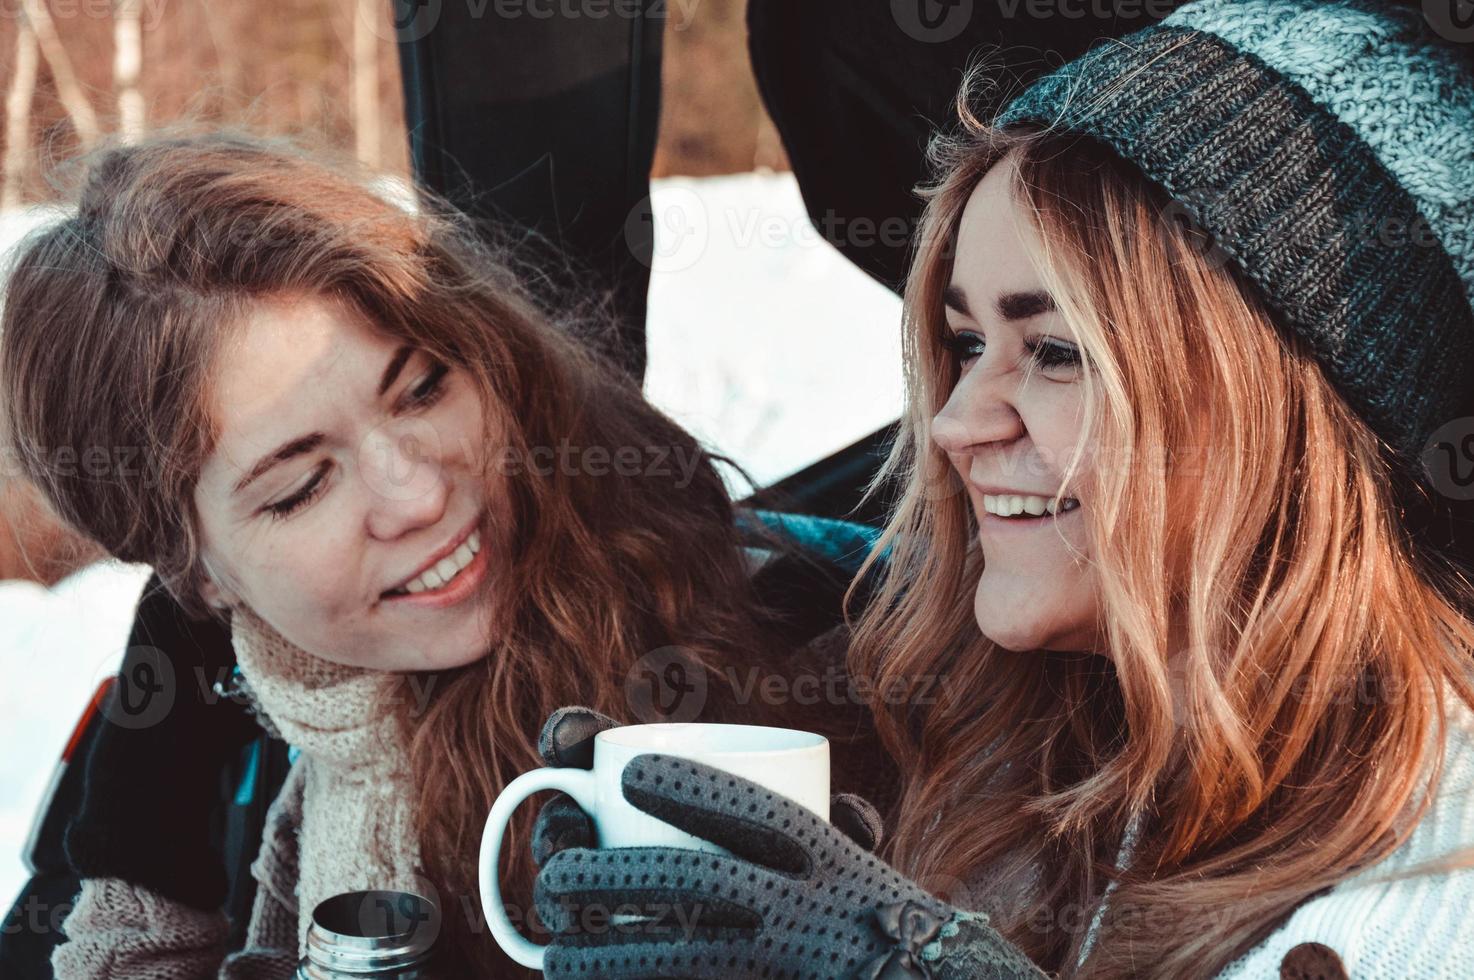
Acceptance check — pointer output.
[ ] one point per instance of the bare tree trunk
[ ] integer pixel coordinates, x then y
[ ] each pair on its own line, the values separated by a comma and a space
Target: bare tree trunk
18, 116
68, 89
127, 60
365, 67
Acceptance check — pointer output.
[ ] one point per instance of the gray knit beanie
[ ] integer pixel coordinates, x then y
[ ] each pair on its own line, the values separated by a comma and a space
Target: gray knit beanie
1327, 146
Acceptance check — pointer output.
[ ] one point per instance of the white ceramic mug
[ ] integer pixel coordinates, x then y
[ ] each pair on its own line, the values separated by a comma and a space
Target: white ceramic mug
791, 763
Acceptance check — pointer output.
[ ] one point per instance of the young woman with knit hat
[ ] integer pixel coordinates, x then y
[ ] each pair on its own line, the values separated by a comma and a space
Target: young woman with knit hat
430, 512
1184, 324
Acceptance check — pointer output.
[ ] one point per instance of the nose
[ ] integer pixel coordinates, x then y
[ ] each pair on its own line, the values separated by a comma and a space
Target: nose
406, 484
978, 412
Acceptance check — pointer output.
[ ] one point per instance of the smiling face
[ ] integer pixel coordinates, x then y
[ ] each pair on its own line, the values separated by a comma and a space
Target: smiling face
379, 450
1011, 425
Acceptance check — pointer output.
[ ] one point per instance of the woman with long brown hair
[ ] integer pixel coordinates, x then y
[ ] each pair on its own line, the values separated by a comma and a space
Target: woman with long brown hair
430, 511
1181, 324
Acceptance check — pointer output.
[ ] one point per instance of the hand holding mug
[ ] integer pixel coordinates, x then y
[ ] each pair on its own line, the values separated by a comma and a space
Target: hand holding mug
567, 741
792, 763
787, 895
768, 887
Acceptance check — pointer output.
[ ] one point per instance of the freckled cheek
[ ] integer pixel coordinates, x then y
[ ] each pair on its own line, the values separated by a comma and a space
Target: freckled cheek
301, 575
303, 585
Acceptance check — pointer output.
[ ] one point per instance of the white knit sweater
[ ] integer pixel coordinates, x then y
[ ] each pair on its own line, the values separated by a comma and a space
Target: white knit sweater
1417, 928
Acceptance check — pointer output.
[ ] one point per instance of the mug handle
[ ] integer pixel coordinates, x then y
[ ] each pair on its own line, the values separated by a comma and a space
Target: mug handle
577, 783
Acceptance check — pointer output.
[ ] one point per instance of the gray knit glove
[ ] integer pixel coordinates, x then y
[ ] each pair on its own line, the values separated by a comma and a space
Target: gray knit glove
567, 741
799, 898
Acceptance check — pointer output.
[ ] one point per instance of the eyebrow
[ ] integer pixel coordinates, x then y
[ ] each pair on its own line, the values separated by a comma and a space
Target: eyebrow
1009, 306
305, 444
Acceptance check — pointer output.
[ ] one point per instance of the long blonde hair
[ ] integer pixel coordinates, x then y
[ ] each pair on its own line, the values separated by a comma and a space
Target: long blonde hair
1320, 642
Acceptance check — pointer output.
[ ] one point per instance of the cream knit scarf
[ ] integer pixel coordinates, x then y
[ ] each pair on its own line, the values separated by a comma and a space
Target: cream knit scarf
357, 828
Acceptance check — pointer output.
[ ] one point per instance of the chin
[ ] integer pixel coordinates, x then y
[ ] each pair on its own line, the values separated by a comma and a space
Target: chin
1001, 625
1015, 619
1012, 641
421, 661
1009, 631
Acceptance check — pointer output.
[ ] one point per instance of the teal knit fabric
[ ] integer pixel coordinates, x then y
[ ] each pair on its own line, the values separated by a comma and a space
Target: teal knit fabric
1327, 146
1373, 66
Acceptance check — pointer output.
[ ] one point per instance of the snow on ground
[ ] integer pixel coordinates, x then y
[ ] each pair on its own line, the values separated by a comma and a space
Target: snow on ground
58, 645
763, 341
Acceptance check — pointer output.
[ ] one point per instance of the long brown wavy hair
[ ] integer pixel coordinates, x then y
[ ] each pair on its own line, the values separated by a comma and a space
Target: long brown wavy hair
115, 317
1249, 555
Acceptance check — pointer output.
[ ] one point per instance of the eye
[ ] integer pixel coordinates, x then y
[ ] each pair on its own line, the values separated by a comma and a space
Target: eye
301, 498
963, 345
426, 393
1055, 353
431, 389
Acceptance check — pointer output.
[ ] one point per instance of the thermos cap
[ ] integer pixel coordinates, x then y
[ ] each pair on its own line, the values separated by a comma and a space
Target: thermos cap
376, 933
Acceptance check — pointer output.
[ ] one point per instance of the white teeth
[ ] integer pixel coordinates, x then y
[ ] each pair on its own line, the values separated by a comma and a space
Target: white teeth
445, 569
1009, 505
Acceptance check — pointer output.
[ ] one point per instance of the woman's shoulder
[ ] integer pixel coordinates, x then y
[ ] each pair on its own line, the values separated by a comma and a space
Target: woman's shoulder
1406, 916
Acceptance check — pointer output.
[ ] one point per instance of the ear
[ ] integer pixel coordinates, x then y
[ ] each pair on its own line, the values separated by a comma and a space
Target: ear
216, 595
213, 595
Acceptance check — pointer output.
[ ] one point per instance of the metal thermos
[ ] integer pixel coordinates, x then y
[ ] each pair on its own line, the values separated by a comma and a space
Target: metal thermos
386, 935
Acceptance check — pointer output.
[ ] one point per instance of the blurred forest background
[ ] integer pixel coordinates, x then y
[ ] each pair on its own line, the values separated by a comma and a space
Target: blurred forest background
73, 70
